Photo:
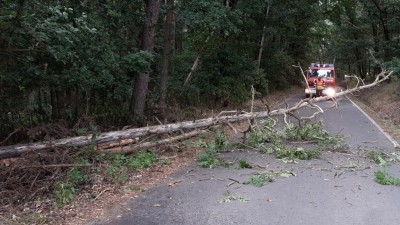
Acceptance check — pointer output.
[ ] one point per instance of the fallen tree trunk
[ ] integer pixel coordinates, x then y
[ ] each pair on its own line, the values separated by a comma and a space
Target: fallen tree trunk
115, 136
126, 149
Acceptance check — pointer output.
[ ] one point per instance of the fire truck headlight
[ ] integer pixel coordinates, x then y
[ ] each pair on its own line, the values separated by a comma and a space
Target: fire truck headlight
330, 92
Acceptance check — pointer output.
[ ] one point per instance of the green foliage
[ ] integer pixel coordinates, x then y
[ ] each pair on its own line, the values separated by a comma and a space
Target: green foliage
267, 139
228, 197
377, 157
118, 171
209, 159
279, 71
139, 62
221, 141
243, 164
136, 189
65, 59
142, 160
226, 77
285, 174
65, 193
383, 177
208, 15
333, 143
309, 131
315, 132
77, 176
298, 154
260, 180
33, 219
393, 65
117, 174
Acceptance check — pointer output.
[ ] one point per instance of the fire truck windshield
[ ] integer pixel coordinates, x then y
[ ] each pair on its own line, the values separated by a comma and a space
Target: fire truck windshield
324, 73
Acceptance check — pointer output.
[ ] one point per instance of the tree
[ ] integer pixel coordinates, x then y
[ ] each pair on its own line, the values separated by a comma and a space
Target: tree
168, 36
140, 89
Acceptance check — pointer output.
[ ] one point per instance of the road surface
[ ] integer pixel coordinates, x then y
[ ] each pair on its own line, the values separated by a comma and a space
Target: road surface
338, 188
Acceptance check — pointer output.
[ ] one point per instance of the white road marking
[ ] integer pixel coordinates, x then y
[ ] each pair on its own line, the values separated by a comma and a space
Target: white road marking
396, 145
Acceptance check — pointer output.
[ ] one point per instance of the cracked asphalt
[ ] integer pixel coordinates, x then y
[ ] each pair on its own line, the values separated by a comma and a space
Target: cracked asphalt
338, 188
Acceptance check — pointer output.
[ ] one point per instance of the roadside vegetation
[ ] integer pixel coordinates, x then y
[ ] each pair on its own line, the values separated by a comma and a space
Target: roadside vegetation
56, 185
116, 168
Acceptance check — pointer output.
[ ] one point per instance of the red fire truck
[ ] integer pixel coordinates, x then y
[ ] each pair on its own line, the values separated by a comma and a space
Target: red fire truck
327, 72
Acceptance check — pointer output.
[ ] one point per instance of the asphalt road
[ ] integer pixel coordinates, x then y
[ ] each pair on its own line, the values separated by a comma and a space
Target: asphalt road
338, 188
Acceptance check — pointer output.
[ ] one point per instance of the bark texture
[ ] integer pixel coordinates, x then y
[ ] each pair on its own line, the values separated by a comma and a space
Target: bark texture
168, 36
140, 88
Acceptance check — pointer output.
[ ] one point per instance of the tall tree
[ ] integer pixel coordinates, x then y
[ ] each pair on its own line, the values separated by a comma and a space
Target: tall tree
168, 36
141, 82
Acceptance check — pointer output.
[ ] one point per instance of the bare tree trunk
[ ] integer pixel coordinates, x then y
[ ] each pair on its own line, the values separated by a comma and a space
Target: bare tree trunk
169, 25
139, 133
262, 39
194, 67
53, 100
60, 96
196, 62
140, 88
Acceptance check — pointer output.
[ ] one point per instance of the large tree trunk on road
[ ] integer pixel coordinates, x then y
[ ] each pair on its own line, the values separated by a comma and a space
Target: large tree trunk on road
115, 136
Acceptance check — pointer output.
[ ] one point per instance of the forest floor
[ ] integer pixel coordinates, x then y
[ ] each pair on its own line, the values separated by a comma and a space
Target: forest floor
98, 196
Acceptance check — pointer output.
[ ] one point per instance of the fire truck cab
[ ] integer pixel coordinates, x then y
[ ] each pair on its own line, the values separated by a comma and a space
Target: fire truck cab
327, 72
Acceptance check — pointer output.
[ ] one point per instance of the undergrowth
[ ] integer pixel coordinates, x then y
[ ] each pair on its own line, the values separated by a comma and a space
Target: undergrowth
118, 167
210, 158
121, 164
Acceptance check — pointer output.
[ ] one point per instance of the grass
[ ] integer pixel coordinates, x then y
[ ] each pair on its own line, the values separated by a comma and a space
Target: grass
383, 177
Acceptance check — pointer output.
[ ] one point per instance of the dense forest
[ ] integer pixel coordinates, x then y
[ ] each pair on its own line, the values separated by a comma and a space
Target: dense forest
108, 64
